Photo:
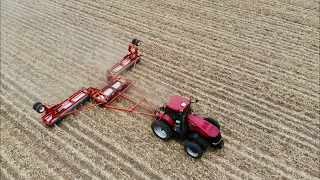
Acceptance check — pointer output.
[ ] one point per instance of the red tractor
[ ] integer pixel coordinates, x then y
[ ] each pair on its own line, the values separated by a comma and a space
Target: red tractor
176, 120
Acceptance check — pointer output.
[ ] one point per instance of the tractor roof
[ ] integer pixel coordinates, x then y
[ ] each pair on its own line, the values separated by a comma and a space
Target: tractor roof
178, 103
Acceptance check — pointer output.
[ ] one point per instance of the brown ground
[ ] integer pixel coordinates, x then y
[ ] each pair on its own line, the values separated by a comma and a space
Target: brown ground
253, 65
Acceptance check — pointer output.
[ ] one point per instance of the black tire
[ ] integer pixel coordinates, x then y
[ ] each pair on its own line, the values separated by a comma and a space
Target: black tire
40, 108
193, 149
134, 41
35, 105
138, 60
161, 129
138, 42
196, 138
220, 145
213, 122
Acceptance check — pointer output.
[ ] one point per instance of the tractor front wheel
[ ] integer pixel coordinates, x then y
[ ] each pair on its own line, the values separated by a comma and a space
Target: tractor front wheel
193, 149
161, 129
196, 138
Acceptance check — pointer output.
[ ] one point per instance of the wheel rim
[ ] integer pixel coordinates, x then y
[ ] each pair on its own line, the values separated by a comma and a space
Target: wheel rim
192, 152
41, 109
160, 132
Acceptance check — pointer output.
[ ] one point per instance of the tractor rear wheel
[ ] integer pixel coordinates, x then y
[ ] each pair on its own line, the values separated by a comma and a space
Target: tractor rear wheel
161, 129
213, 122
193, 149
35, 105
40, 108
196, 138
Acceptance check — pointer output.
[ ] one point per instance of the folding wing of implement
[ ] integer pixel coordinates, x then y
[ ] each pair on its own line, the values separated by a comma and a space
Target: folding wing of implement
105, 97
127, 62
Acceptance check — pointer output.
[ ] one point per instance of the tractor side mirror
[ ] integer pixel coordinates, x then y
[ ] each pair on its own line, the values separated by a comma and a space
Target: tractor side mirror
195, 101
162, 108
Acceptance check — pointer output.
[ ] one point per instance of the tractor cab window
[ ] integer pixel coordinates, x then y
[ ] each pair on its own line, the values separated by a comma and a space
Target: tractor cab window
178, 115
187, 110
172, 114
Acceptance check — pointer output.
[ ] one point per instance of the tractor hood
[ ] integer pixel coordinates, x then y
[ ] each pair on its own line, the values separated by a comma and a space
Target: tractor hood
207, 128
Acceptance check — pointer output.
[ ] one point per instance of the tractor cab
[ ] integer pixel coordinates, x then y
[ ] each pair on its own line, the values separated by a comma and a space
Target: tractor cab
177, 106
177, 109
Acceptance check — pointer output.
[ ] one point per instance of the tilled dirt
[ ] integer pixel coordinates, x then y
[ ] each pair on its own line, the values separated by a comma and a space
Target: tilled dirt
253, 66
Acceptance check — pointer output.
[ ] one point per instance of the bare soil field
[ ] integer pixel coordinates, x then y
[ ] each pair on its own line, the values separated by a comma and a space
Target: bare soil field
253, 65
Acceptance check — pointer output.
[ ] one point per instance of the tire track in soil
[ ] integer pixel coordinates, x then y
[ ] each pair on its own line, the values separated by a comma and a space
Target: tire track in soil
126, 170
302, 93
